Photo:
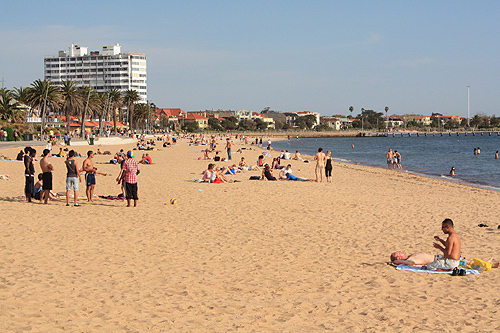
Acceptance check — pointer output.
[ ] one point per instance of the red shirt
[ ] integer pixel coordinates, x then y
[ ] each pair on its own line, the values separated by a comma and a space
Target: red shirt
130, 168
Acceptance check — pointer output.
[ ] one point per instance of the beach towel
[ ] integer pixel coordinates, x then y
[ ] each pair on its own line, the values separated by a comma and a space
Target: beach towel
419, 269
111, 197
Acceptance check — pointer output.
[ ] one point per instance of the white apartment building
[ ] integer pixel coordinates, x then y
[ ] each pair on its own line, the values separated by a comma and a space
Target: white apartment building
103, 71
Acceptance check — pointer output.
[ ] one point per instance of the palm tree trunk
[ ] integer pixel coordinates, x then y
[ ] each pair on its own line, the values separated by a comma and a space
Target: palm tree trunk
66, 113
130, 117
100, 124
82, 128
114, 120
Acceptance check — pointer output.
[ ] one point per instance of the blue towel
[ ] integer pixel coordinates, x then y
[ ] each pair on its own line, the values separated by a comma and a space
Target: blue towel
419, 269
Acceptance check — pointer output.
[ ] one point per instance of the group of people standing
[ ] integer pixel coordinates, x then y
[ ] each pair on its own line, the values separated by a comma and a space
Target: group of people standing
393, 159
323, 165
42, 190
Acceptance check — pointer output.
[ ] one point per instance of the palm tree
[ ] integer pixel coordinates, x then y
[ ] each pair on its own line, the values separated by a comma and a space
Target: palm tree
22, 96
9, 107
386, 122
141, 114
362, 111
43, 93
88, 95
130, 97
71, 100
114, 100
351, 109
102, 103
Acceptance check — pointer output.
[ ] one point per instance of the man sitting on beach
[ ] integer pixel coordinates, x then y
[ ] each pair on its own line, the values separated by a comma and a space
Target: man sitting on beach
297, 156
451, 250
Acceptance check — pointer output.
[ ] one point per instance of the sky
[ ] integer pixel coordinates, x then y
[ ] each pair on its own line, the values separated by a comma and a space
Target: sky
416, 57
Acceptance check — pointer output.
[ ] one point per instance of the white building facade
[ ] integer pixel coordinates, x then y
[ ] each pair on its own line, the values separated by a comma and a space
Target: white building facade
103, 71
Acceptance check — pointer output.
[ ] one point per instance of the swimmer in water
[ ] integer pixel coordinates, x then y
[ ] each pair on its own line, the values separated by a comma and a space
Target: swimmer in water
452, 172
496, 155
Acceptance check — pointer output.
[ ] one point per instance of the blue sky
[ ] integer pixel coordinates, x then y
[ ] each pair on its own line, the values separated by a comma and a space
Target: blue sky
416, 57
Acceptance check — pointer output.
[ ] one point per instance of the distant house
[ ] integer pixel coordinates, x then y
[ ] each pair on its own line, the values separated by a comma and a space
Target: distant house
332, 122
195, 117
268, 120
169, 115
307, 113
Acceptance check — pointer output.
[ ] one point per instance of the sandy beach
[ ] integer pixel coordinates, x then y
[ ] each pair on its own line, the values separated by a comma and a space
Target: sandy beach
250, 256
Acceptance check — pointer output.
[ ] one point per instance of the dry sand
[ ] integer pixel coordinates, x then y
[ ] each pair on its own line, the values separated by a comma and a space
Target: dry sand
248, 256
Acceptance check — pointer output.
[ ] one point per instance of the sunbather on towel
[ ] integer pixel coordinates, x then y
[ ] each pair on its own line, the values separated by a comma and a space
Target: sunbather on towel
400, 258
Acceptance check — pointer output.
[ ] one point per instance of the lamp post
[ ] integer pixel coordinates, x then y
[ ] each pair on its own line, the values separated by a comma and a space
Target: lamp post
468, 105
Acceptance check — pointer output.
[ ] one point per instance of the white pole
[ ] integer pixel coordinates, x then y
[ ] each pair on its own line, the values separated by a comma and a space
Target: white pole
468, 105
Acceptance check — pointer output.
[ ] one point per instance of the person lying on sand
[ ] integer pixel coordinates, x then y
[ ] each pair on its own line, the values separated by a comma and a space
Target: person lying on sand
400, 258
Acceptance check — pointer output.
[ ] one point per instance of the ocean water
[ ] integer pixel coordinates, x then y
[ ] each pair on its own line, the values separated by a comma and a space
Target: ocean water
428, 155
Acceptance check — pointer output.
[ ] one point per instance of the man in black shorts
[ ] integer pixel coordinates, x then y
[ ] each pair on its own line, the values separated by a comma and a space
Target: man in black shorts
47, 169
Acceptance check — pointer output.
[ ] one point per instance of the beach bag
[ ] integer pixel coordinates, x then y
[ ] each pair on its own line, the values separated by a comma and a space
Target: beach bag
478, 263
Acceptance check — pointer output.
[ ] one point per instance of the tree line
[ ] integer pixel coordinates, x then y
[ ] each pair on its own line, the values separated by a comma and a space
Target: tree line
68, 99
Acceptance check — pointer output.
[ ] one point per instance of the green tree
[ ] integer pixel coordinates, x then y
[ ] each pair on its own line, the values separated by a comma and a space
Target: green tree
260, 124
89, 107
494, 121
115, 105
22, 96
230, 123
307, 121
142, 114
351, 108
451, 124
130, 97
71, 100
214, 124
42, 94
191, 126
9, 107
369, 119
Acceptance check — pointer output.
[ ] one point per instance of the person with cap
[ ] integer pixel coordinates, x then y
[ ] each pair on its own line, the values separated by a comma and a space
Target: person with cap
129, 174
452, 171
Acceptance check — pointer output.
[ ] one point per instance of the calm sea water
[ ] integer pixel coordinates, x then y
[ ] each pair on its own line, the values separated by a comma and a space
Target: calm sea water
429, 155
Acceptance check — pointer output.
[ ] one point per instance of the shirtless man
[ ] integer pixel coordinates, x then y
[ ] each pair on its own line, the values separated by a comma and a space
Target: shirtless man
229, 145
320, 159
297, 156
90, 173
47, 169
390, 159
400, 258
450, 248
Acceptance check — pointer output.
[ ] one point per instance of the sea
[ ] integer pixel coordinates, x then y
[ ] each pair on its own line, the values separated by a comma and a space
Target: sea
432, 156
